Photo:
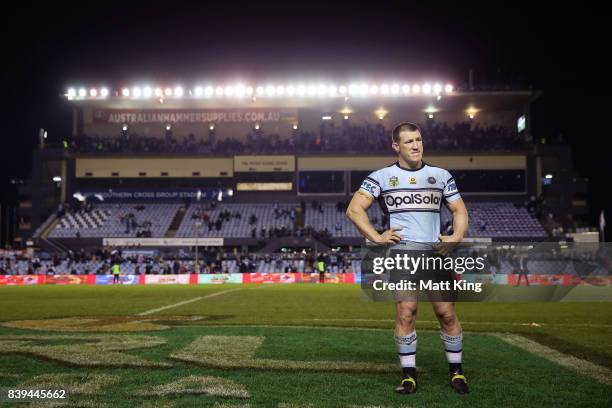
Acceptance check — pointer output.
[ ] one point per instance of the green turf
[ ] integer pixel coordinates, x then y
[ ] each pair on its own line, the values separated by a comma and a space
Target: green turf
500, 374
48, 301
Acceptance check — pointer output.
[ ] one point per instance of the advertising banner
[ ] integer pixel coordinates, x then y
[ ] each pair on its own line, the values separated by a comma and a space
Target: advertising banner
18, 280
123, 279
499, 279
258, 277
166, 279
152, 195
133, 116
251, 164
287, 278
264, 186
329, 278
161, 242
593, 280
546, 280
67, 279
220, 278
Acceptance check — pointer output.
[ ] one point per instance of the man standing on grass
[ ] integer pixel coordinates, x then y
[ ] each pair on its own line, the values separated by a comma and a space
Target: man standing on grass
116, 272
410, 193
321, 267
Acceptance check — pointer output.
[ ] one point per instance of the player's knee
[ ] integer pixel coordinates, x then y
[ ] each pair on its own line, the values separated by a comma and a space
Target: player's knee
447, 317
406, 316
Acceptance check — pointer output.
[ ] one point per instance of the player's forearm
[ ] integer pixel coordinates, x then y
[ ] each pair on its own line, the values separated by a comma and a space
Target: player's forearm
460, 223
361, 221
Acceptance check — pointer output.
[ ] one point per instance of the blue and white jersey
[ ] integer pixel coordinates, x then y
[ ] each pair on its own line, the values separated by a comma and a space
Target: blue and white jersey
412, 198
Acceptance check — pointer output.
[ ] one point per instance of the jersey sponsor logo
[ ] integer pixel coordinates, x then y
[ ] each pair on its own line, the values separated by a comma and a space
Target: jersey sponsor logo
370, 187
418, 200
431, 180
394, 181
451, 187
412, 180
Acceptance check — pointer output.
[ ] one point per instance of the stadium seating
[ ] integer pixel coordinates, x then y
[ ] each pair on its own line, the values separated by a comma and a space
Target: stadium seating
499, 220
105, 221
234, 227
84, 220
330, 217
495, 220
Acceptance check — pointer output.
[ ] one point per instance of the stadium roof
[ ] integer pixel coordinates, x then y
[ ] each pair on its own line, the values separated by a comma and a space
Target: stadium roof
455, 101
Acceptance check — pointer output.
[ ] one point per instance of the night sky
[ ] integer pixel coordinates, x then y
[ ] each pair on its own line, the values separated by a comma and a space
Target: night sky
50, 47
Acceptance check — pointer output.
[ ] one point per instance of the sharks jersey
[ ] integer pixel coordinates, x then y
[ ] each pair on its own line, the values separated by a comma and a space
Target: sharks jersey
411, 199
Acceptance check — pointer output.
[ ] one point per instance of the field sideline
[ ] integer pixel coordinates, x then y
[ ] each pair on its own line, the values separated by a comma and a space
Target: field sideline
214, 345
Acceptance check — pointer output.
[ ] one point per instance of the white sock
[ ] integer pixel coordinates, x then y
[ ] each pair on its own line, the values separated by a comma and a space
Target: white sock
406, 348
453, 345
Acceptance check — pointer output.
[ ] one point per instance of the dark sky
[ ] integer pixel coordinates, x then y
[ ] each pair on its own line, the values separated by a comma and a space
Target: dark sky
559, 50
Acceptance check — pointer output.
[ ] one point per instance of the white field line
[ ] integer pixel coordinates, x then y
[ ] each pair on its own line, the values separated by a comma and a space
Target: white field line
533, 324
185, 302
599, 373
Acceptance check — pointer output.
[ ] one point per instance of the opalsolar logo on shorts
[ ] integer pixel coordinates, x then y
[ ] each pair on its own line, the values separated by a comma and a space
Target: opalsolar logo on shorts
421, 200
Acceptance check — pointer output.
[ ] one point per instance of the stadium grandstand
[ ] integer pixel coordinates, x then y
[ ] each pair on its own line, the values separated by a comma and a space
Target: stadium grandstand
257, 177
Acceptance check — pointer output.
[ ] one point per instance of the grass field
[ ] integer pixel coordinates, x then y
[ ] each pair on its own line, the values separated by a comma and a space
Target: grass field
291, 346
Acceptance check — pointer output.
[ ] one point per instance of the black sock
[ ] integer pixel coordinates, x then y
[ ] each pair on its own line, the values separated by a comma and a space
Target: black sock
409, 372
454, 368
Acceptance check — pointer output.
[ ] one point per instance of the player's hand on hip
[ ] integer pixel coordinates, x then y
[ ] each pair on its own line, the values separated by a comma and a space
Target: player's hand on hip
447, 244
390, 236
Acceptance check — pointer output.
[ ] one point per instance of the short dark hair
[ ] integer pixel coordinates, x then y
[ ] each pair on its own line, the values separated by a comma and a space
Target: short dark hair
403, 127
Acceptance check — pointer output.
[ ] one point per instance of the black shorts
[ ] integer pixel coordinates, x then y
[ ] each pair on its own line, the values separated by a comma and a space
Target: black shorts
425, 272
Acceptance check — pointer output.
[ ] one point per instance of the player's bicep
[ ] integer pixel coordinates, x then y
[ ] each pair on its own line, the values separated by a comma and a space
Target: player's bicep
456, 206
361, 201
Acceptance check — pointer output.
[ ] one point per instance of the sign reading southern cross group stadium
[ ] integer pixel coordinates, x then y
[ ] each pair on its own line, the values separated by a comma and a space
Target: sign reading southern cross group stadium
120, 116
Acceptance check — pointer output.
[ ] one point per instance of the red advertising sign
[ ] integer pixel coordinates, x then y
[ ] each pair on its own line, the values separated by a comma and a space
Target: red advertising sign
258, 277
329, 278
68, 279
588, 280
18, 280
547, 280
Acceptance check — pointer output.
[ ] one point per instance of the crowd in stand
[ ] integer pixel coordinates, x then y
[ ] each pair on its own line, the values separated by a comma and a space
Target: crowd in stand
135, 143
330, 138
265, 233
323, 235
142, 230
219, 260
211, 260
